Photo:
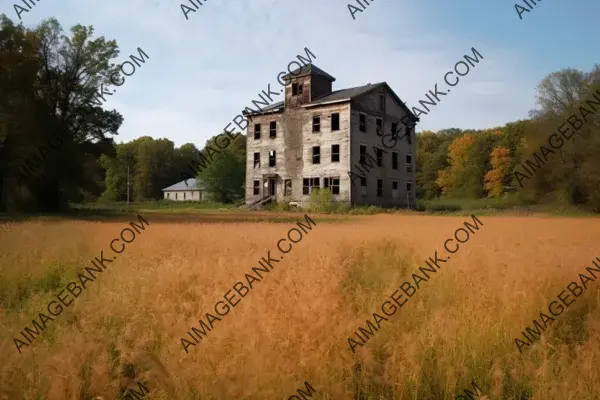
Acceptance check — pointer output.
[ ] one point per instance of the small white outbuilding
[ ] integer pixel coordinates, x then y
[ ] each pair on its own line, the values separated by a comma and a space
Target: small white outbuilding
188, 190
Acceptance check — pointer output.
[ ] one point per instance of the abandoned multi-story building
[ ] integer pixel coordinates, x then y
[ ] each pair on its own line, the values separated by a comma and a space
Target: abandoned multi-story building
319, 138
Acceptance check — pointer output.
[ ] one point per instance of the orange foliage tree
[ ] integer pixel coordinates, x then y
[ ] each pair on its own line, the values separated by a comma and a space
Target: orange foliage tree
458, 153
495, 178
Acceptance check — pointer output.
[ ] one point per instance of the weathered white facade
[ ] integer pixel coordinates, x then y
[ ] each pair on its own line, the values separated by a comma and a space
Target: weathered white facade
185, 191
185, 195
314, 138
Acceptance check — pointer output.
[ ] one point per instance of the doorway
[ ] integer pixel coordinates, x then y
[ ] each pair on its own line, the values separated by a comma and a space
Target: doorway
272, 183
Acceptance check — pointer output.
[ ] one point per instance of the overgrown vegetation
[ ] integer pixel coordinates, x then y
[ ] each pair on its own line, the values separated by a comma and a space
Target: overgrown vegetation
16, 291
165, 205
322, 201
458, 327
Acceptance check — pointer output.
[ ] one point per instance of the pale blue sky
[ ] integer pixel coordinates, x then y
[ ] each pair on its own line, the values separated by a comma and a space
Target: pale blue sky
204, 70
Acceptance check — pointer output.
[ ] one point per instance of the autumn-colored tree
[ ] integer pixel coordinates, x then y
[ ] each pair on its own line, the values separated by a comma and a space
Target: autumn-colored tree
458, 153
496, 177
473, 180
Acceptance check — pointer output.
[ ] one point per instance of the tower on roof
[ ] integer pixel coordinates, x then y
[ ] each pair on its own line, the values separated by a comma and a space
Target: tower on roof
306, 84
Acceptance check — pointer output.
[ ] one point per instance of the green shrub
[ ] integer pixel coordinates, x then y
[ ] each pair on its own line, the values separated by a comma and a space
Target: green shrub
321, 200
278, 206
15, 293
365, 210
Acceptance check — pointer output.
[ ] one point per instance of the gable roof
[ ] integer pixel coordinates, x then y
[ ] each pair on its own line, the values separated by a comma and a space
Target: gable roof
275, 107
337, 96
343, 95
309, 69
192, 184
352, 93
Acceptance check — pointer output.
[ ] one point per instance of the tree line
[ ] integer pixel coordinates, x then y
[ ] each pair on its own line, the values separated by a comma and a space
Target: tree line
553, 156
48, 80
57, 144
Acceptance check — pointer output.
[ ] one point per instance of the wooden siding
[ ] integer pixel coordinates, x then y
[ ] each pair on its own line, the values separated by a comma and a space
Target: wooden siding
369, 105
320, 87
295, 140
297, 101
293, 150
196, 195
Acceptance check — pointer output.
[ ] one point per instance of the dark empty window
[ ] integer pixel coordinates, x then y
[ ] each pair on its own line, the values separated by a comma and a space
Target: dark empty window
335, 122
335, 153
333, 184
379, 153
363, 181
379, 124
316, 124
394, 129
273, 129
395, 185
300, 88
309, 184
408, 163
362, 122
408, 138
256, 160
394, 160
315, 183
379, 188
256, 131
272, 158
316, 155
294, 89
408, 186
256, 188
381, 102
363, 154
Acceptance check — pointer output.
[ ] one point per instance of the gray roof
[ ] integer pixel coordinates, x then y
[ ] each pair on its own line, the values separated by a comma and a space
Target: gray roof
309, 69
344, 94
272, 107
192, 184
337, 96
349, 94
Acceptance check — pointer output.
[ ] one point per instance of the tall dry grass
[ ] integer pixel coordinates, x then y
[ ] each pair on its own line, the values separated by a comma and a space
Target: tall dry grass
293, 326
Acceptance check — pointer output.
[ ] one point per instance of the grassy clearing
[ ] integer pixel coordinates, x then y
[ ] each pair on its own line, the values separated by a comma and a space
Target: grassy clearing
162, 205
509, 205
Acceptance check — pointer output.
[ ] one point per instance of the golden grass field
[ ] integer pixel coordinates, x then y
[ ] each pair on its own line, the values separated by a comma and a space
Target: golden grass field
293, 326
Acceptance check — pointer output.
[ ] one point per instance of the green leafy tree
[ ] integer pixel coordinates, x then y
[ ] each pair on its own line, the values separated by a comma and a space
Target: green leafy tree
153, 163
570, 173
429, 161
46, 81
225, 175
